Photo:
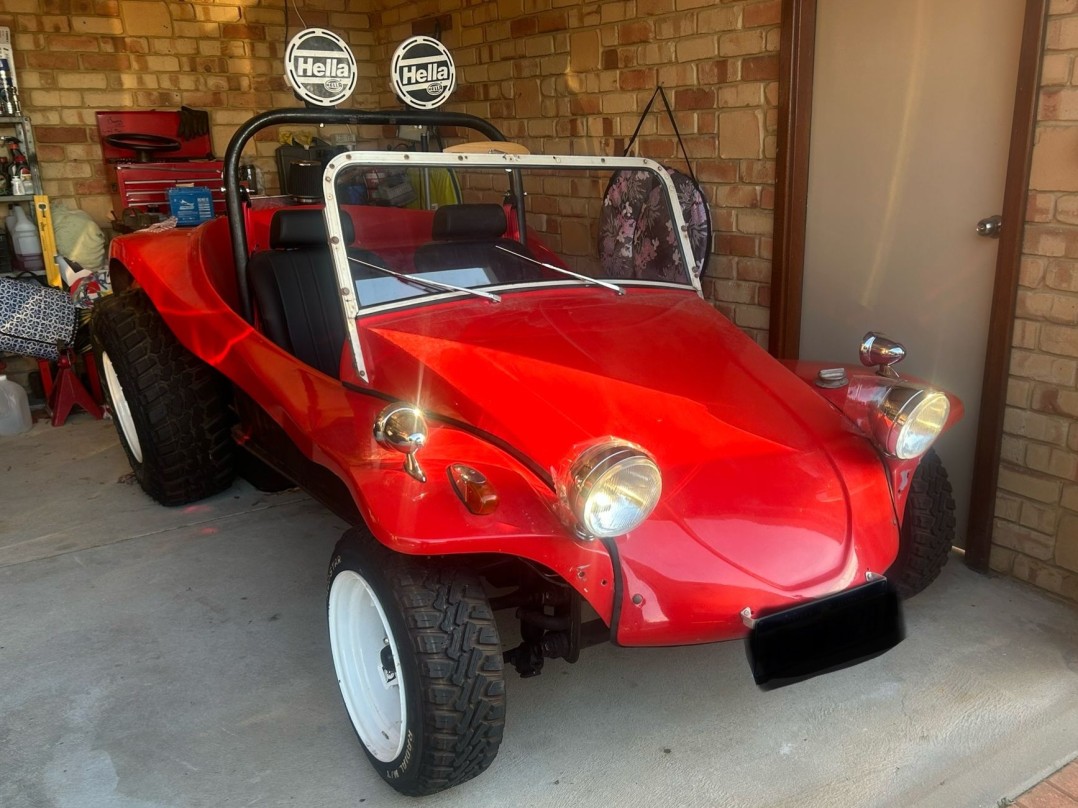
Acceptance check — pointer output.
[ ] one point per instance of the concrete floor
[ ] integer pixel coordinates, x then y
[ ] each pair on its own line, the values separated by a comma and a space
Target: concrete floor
178, 657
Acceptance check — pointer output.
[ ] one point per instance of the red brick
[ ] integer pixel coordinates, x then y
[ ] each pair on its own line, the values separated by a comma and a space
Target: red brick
59, 43
658, 148
254, 32
523, 26
648, 8
636, 79
760, 67
61, 134
728, 244
694, 99
50, 153
105, 61
757, 14
717, 171
49, 60
631, 33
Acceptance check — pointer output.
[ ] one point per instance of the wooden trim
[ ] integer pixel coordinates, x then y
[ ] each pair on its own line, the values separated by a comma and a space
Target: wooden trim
796, 61
1001, 319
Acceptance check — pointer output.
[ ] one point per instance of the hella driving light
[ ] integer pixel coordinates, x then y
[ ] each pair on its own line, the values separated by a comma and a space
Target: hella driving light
909, 419
612, 488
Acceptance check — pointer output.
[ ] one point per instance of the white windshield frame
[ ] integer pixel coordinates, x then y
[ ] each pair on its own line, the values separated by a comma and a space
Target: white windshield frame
508, 162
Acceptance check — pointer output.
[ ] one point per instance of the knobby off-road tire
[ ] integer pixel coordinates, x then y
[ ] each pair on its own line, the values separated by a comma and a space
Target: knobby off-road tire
170, 408
928, 528
419, 664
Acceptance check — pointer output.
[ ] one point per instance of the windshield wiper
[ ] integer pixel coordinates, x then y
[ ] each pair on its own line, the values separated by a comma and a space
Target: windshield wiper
570, 273
427, 282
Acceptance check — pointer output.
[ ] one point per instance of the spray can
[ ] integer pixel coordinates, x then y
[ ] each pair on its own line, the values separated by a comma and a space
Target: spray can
9, 94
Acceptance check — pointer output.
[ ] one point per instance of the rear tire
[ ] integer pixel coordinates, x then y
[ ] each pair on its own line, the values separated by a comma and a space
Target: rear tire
928, 528
419, 664
170, 408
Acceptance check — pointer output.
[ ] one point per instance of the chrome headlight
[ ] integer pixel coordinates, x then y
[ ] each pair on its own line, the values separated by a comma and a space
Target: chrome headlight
908, 420
611, 488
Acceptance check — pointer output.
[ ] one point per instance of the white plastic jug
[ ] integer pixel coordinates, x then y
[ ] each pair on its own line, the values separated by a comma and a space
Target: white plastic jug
24, 235
14, 408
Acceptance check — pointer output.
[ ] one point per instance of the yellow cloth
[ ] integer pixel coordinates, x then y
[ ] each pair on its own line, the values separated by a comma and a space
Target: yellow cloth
443, 188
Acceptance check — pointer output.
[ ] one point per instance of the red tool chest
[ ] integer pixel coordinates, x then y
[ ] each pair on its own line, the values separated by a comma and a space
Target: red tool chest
145, 185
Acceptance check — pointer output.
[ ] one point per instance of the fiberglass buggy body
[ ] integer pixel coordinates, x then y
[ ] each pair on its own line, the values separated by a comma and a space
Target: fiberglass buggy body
509, 423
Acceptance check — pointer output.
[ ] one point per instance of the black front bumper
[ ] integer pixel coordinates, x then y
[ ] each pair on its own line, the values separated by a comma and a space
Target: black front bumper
825, 635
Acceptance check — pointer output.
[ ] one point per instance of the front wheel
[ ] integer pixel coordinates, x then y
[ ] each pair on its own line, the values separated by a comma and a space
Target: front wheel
419, 664
928, 527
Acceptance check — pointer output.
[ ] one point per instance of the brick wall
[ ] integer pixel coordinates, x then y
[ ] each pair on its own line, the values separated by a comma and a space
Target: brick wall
74, 57
559, 75
563, 76
1036, 528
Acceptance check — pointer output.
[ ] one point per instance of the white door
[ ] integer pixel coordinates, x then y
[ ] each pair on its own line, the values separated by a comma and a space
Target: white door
911, 120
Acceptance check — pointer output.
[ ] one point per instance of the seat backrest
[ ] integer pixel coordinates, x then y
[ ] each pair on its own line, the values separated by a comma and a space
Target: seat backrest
473, 235
483, 222
295, 288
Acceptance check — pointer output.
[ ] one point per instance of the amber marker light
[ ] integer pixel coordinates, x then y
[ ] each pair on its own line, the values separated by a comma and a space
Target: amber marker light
474, 490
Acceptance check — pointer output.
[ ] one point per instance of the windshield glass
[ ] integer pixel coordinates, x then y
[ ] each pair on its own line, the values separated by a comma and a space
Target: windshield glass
421, 226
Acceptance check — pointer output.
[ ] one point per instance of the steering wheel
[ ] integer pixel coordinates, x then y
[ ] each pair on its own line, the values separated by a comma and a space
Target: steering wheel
144, 146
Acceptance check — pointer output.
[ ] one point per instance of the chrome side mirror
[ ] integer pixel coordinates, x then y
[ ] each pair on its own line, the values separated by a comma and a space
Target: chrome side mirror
402, 428
880, 352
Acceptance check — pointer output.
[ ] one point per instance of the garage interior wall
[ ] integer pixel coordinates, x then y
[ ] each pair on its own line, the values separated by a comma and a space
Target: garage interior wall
555, 75
570, 76
1035, 535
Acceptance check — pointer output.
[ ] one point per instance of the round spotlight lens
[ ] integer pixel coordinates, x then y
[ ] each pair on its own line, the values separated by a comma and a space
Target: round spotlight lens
614, 487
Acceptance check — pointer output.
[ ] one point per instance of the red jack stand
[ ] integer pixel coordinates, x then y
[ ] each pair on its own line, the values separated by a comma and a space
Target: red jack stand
67, 391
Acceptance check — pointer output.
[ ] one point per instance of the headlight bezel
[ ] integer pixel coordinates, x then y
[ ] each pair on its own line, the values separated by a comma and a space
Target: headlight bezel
899, 409
585, 475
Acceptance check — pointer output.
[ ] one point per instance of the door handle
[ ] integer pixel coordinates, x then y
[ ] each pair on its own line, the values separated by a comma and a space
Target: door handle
990, 227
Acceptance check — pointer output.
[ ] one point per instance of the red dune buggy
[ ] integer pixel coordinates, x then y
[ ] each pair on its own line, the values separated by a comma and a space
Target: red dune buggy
510, 421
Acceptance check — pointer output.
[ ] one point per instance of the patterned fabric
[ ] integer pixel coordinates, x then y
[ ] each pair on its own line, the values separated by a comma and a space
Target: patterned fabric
34, 318
636, 233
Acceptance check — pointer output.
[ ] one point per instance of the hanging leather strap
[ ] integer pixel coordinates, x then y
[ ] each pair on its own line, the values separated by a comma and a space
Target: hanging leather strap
661, 93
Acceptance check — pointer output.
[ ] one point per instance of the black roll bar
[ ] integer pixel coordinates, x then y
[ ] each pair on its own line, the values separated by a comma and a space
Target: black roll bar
331, 117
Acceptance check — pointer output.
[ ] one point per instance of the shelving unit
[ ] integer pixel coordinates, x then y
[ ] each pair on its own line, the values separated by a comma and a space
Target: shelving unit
19, 126
24, 131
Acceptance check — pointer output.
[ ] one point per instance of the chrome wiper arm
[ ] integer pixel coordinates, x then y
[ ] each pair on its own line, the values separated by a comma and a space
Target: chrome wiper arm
427, 282
570, 273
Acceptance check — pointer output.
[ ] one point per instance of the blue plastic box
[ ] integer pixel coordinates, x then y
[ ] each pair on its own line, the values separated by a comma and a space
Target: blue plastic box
190, 206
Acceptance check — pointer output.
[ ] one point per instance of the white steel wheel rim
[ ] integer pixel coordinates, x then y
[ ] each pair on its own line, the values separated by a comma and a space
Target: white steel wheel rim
374, 696
120, 408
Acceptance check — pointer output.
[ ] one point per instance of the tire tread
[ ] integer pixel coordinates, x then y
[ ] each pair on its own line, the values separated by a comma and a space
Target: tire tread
928, 528
452, 632
177, 400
